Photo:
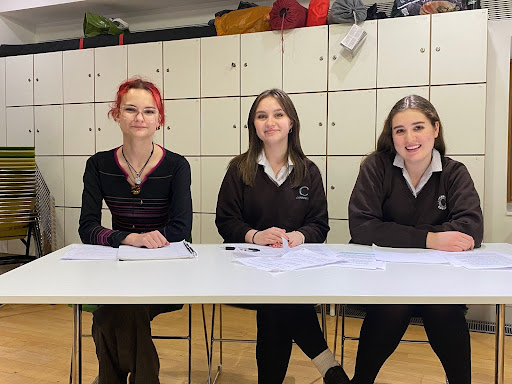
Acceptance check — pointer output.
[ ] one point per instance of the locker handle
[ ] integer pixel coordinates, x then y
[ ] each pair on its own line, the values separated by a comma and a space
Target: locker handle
90, 129
233, 65
168, 128
333, 187
333, 123
29, 80
234, 126
438, 49
98, 75
422, 50
99, 129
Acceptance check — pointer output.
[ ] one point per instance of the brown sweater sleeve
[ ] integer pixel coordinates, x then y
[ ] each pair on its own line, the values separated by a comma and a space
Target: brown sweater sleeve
463, 204
365, 210
229, 216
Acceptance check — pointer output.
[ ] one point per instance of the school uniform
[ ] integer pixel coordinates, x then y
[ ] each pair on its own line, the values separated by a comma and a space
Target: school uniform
387, 210
273, 202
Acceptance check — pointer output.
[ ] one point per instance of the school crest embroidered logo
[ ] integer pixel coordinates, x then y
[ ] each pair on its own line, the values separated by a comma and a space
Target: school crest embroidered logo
441, 202
303, 193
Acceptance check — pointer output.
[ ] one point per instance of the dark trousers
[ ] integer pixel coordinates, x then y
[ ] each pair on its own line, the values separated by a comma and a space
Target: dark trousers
384, 326
122, 334
278, 326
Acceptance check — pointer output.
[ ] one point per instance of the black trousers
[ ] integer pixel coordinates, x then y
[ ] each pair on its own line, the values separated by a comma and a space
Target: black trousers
384, 326
122, 334
278, 326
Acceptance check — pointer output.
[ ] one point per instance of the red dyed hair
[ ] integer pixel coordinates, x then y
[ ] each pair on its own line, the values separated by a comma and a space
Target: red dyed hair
138, 83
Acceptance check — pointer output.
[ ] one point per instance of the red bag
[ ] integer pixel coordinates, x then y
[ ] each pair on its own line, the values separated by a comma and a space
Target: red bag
287, 14
317, 13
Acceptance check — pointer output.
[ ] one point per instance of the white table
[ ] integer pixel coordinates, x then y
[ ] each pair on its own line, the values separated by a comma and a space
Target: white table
214, 278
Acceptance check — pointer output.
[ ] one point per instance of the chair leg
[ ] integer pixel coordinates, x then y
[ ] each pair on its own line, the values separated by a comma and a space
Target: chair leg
342, 341
210, 360
337, 316
324, 321
189, 343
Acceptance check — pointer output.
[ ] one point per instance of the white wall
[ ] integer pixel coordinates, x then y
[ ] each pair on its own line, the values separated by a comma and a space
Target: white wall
498, 225
12, 33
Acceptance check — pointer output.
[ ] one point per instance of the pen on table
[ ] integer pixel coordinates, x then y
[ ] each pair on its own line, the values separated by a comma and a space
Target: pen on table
242, 249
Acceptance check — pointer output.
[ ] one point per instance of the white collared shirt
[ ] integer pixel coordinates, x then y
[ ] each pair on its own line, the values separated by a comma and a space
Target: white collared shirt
435, 166
283, 173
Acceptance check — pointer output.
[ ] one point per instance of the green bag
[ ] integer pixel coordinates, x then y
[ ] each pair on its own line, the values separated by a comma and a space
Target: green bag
95, 25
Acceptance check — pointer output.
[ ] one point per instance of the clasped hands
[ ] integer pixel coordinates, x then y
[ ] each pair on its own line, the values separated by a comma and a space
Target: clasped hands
273, 237
153, 239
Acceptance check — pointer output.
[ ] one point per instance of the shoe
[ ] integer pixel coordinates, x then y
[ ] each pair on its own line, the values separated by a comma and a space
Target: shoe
336, 375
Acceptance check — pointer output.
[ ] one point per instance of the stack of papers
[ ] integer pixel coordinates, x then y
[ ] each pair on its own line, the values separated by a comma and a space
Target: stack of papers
177, 250
301, 257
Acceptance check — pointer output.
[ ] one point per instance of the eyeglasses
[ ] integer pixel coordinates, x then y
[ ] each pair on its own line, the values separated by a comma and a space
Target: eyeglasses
129, 113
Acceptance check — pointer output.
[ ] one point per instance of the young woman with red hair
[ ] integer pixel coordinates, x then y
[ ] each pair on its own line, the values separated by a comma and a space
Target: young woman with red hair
147, 190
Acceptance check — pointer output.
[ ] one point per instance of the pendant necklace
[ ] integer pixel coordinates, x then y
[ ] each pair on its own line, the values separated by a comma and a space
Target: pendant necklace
136, 178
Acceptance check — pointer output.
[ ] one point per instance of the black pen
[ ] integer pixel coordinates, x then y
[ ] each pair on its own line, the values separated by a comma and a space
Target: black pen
229, 248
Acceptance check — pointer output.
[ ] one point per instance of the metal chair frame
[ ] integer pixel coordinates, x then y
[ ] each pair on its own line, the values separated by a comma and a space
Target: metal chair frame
154, 337
222, 340
341, 308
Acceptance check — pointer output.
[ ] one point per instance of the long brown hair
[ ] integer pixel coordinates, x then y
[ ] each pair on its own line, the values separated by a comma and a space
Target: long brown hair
385, 141
247, 162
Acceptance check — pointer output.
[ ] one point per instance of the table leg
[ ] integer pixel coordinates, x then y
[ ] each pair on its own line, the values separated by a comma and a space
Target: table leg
500, 345
77, 344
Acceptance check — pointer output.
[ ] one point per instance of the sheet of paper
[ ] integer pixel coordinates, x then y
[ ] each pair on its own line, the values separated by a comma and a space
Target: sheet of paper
178, 250
291, 261
360, 260
90, 252
321, 249
408, 255
479, 260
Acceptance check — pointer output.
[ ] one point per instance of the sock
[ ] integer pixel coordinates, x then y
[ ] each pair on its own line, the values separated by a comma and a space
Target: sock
324, 361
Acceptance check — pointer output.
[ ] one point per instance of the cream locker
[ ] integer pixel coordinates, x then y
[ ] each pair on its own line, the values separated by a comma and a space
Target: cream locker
387, 98
342, 173
352, 72
108, 132
461, 109
52, 170
220, 126
19, 77
79, 133
196, 228
59, 228
209, 232
3, 129
261, 61
476, 168
158, 137
245, 108
339, 233
182, 132
48, 78
49, 126
74, 167
305, 59
321, 163
213, 170
106, 218
195, 186
182, 69
220, 63
403, 51
78, 80
71, 218
111, 68
20, 126
459, 57
145, 60
351, 123
312, 111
